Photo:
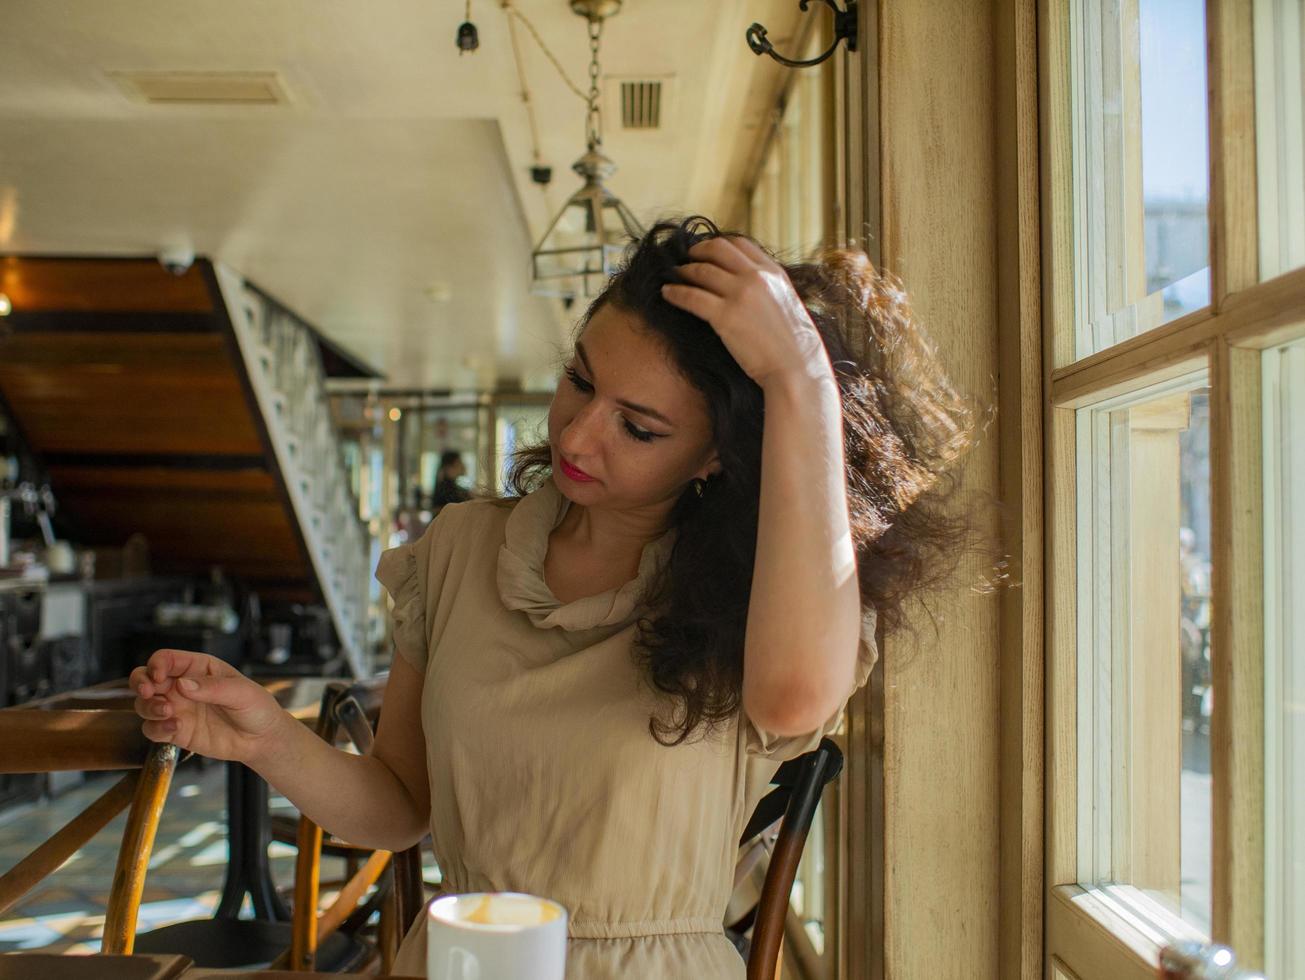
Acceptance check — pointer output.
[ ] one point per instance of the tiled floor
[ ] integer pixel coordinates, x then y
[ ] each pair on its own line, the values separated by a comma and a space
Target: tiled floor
65, 912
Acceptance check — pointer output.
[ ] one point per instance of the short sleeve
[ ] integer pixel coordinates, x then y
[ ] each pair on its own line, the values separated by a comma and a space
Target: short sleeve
779, 747
405, 573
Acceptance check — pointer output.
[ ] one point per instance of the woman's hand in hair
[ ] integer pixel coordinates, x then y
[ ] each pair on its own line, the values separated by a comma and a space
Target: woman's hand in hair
749, 301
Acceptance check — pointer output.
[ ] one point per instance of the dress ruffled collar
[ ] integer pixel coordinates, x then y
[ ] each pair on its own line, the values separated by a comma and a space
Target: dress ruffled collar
521, 582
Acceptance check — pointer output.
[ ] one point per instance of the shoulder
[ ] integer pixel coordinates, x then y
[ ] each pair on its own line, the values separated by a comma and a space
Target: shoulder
469, 521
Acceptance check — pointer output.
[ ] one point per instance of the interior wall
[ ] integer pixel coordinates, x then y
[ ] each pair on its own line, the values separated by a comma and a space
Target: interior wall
938, 188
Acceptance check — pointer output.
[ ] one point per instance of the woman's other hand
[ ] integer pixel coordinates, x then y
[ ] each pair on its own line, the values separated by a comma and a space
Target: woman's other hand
202, 704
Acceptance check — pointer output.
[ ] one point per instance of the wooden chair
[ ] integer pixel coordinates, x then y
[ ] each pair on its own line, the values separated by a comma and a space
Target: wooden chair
399, 899
41, 741
792, 803
328, 941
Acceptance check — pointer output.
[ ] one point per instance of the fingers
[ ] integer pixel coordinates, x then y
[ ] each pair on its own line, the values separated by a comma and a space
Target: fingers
707, 276
160, 731
153, 709
228, 692
164, 666
699, 302
725, 253
752, 250
140, 682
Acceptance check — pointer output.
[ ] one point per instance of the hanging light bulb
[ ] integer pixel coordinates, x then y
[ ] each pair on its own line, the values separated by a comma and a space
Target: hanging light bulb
468, 36
583, 244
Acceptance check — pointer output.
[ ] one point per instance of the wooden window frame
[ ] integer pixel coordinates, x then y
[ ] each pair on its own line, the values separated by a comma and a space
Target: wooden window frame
1085, 936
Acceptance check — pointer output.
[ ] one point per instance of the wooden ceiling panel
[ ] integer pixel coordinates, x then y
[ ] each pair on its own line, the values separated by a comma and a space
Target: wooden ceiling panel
126, 384
126, 393
247, 483
46, 285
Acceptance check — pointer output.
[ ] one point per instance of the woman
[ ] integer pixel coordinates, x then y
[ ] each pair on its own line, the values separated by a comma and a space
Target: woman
596, 680
447, 488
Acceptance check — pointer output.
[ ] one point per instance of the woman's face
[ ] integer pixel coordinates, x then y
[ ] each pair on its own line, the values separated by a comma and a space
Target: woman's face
627, 431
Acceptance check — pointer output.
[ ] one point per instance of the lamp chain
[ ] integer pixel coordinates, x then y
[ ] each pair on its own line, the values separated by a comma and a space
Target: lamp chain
594, 119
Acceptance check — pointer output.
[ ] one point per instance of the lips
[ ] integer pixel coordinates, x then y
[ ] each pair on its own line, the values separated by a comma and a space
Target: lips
574, 472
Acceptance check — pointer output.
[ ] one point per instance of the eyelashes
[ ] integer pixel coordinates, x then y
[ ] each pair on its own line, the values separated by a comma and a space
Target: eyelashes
632, 430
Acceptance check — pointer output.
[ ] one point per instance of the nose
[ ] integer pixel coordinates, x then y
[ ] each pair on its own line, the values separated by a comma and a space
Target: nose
582, 436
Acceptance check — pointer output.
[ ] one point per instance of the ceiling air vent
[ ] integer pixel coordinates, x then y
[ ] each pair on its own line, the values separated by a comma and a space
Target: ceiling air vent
203, 87
641, 104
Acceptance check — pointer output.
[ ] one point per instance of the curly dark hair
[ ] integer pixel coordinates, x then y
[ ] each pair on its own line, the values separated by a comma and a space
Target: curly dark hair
904, 427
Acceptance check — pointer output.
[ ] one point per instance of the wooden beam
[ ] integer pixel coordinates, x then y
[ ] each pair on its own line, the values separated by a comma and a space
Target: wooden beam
938, 182
1261, 315
63, 741
100, 285
1237, 652
137, 844
1234, 205
1020, 410
51, 854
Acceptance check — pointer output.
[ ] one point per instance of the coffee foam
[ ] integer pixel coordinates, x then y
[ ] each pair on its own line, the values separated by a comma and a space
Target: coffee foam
501, 909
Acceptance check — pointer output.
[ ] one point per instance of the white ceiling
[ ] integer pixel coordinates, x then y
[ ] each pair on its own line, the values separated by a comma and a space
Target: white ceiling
398, 169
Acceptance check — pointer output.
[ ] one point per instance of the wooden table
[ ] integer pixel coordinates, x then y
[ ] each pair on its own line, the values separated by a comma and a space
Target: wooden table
48, 966
198, 974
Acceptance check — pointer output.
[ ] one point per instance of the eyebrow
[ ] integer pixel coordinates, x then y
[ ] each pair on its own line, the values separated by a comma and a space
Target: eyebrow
632, 406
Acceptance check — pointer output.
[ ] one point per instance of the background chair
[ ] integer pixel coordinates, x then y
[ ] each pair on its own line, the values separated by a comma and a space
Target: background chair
792, 803
40, 741
401, 895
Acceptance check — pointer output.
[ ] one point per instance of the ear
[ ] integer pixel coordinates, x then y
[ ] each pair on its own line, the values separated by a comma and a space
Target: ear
709, 469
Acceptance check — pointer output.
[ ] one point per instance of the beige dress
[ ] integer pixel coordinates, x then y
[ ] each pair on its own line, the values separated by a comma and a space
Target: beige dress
543, 775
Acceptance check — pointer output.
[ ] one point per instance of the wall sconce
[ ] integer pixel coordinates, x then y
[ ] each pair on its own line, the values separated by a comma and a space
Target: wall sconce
844, 27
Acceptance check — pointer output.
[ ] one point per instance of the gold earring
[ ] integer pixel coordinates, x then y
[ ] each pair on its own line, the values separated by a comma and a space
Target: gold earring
699, 487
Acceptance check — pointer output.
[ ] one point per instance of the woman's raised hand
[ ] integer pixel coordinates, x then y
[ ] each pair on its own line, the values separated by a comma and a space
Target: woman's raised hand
203, 704
750, 302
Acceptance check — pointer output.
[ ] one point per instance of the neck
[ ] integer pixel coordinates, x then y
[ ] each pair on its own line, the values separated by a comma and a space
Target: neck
615, 534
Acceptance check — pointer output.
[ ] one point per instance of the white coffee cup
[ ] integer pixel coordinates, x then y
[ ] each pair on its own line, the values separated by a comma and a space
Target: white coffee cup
495, 936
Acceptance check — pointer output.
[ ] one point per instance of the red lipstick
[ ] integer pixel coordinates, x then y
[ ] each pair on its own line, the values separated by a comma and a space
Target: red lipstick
574, 473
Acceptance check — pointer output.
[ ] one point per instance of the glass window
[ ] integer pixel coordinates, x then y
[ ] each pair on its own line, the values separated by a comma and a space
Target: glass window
786, 207
1280, 133
1140, 166
1144, 622
1283, 394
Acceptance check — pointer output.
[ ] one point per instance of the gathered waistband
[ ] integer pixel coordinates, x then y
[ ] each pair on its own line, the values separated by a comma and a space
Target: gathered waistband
647, 929
589, 928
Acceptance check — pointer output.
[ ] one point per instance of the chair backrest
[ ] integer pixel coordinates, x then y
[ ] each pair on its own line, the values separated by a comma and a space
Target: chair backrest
353, 708
37, 741
798, 785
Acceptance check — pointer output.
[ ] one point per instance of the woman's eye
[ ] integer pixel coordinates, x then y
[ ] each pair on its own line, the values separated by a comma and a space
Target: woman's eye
634, 432
641, 434
577, 382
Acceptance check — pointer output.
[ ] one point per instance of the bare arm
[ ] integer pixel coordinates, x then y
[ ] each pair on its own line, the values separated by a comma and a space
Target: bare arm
377, 800
205, 705
803, 616
805, 610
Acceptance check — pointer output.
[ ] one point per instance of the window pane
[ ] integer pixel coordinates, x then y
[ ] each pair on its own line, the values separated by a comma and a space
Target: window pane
1284, 659
1280, 133
1144, 651
1141, 172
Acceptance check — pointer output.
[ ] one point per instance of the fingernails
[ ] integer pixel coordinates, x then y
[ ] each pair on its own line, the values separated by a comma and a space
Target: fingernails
186, 684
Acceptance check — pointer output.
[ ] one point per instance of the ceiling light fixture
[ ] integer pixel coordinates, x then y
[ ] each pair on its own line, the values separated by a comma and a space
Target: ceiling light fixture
468, 36
583, 244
